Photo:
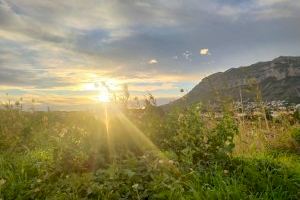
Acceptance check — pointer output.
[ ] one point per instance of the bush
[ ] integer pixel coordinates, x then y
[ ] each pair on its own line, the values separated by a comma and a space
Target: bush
194, 143
179, 155
296, 135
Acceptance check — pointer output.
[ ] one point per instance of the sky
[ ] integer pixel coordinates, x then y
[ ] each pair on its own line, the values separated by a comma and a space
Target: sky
59, 52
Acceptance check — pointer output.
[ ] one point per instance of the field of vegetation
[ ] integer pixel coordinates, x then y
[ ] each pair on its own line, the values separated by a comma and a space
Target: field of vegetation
114, 153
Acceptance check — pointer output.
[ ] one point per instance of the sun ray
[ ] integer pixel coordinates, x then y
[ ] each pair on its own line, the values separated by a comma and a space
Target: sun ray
110, 145
104, 96
142, 141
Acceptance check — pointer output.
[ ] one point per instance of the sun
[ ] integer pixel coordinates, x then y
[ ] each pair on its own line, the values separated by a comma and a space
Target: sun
104, 96
105, 89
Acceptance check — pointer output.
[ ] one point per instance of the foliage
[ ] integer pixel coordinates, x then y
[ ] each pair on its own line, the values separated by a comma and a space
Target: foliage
296, 135
297, 114
196, 144
183, 154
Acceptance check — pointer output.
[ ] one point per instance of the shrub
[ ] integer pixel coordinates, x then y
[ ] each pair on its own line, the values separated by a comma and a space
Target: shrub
195, 143
296, 135
73, 156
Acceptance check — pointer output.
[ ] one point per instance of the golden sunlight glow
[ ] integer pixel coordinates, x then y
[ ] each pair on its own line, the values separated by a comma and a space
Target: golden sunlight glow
107, 89
112, 84
104, 96
90, 86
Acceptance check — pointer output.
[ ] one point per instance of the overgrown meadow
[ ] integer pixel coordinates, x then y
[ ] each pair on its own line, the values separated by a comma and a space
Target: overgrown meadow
118, 153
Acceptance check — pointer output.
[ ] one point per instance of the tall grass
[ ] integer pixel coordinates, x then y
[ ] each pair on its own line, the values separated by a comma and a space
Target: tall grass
183, 154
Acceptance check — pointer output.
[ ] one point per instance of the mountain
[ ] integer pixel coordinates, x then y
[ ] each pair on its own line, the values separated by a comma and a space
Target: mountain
278, 79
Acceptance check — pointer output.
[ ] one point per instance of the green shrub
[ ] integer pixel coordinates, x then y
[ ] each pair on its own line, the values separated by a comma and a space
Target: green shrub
60, 155
194, 143
296, 135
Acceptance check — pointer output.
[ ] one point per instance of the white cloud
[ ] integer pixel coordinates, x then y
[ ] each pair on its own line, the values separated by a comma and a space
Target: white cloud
270, 2
153, 61
187, 55
204, 52
75, 42
258, 10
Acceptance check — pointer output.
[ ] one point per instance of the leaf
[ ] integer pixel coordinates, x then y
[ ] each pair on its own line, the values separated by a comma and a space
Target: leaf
129, 173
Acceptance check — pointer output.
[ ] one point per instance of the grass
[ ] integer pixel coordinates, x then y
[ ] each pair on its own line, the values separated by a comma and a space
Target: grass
179, 155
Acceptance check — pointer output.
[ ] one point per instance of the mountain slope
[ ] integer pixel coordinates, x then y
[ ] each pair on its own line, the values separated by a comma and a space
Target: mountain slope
278, 79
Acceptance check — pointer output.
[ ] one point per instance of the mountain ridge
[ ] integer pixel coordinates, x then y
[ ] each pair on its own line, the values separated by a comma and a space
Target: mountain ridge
278, 79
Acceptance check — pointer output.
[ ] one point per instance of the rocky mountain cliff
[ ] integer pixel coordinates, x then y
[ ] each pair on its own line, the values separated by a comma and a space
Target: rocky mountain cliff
278, 79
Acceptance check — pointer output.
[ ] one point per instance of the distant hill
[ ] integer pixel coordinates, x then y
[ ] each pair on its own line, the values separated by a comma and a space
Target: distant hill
278, 79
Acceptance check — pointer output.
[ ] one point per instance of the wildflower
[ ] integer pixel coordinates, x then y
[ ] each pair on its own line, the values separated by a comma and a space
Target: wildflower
135, 186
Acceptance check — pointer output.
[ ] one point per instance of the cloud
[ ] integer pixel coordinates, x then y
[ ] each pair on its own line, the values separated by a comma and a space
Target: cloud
153, 61
151, 87
204, 52
57, 45
187, 55
37, 79
272, 2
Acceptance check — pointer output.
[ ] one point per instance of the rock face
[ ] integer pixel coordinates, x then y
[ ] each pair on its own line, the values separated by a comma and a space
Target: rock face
278, 79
